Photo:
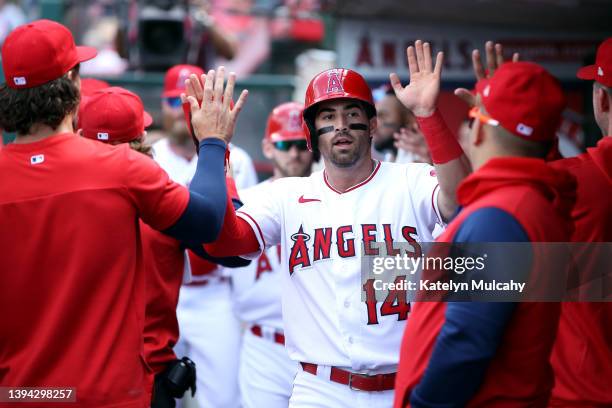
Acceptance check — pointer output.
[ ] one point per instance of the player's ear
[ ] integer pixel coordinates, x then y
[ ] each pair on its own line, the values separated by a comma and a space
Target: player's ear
602, 99
480, 136
79, 132
373, 124
267, 149
476, 133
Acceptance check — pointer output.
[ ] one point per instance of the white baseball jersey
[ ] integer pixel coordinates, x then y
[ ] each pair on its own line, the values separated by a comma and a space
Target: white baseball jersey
256, 288
322, 233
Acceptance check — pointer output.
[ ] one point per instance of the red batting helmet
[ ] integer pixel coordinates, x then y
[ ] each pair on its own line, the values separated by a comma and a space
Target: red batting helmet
174, 80
335, 83
285, 123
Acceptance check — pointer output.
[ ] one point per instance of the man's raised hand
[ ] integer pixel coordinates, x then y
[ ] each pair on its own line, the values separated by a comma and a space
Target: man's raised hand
421, 94
212, 113
494, 56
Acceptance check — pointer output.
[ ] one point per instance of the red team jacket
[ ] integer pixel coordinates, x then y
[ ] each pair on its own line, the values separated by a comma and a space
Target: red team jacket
519, 374
164, 263
582, 357
81, 323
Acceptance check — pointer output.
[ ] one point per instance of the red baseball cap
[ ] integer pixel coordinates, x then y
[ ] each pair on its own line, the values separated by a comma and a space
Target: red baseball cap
174, 81
114, 115
601, 71
88, 87
91, 85
525, 99
38, 52
285, 123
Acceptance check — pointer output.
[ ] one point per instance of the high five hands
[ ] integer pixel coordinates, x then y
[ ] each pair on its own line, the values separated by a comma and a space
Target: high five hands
421, 94
213, 115
494, 59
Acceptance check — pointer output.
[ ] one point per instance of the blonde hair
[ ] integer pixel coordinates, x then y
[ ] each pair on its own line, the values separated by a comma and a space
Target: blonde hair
141, 146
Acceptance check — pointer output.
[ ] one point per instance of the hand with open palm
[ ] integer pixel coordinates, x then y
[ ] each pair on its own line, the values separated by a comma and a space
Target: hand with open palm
494, 56
421, 94
213, 114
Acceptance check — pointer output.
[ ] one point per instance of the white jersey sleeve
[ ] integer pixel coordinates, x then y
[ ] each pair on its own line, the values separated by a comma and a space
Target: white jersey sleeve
424, 186
263, 212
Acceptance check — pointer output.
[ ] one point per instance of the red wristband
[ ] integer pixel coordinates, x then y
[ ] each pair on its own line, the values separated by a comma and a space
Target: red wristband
443, 146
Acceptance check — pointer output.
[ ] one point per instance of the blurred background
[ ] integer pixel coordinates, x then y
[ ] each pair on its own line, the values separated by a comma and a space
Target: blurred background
277, 46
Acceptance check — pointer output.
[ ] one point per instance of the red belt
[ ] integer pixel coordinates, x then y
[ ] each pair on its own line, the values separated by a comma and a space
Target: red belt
258, 331
359, 382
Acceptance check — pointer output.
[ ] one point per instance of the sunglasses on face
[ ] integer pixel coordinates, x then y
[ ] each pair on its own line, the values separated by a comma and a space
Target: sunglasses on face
285, 145
174, 102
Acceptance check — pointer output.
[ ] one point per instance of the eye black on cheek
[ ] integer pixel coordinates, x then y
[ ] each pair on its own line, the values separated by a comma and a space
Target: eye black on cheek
358, 126
324, 130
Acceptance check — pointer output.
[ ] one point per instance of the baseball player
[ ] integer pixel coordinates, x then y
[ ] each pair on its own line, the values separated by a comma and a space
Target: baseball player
215, 356
112, 112
347, 349
397, 138
266, 372
176, 153
68, 211
481, 354
582, 357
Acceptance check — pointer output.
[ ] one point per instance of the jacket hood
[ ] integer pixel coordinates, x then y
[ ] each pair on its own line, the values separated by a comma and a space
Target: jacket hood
558, 186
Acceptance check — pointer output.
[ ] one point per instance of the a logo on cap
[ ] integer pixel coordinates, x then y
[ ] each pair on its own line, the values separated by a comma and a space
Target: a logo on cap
333, 82
37, 159
19, 81
524, 129
487, 90
102, 136
600, 71
295, 122
182, 77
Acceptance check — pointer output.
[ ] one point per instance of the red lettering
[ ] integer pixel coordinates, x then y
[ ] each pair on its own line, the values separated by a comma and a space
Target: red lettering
299, 251
263, 265
350, 243
364, 56
368, 238
322, 243
391, 250
333, 82
407, 233
396, 303
388, 53
368, 287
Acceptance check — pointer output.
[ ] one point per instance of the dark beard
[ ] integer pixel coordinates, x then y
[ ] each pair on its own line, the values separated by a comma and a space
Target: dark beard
180, 134
345, 161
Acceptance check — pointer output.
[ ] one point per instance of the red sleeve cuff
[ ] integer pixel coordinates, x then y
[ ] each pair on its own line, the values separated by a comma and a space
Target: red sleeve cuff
443, 146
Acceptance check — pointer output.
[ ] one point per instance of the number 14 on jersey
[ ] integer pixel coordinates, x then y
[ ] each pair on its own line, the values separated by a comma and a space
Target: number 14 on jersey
394, 303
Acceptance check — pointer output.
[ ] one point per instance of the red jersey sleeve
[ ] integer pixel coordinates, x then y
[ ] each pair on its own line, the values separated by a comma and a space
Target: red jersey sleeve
159, 200
236, 238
